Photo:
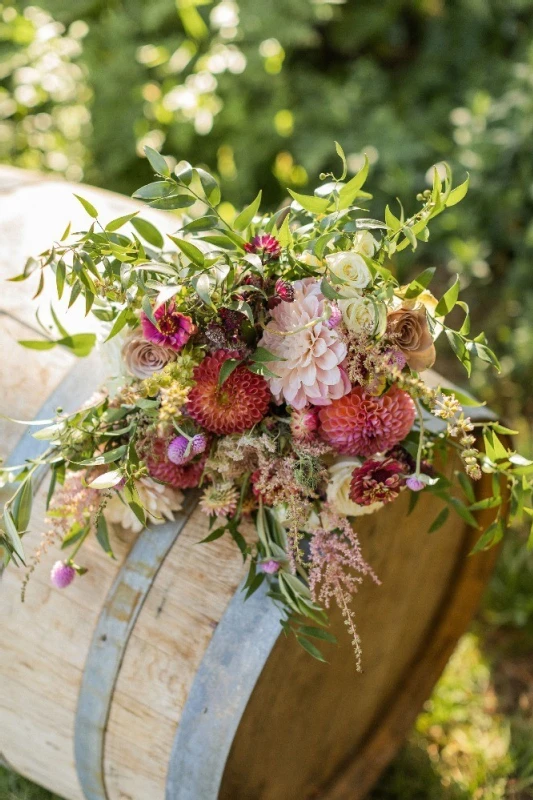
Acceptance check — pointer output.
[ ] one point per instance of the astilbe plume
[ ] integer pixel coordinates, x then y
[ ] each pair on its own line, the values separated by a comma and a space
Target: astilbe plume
334, 556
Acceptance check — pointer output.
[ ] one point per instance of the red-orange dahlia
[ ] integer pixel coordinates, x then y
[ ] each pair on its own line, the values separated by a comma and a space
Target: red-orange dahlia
186, 476
234, 407
359, 424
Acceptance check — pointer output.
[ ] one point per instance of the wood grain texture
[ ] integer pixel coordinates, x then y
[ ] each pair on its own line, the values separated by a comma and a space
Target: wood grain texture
331, 731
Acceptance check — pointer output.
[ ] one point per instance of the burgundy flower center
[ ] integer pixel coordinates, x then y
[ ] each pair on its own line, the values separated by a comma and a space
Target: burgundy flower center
169, 324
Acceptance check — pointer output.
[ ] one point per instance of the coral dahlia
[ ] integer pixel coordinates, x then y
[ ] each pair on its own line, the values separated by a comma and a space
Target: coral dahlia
173, 330
377, 481
236, 406
310, 352
359, 424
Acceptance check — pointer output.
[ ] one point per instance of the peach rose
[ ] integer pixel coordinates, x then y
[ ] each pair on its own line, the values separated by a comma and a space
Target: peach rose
408, 328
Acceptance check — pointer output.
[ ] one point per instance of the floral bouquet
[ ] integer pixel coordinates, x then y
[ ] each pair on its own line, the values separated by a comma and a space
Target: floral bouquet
274, 363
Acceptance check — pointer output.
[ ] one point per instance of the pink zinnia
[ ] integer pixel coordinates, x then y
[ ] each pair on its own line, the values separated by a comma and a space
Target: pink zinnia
310, 353
360, 425
173, 330
377, 481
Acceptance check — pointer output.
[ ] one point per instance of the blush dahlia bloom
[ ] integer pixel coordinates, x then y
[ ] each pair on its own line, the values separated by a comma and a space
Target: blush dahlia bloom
361, 425
310, 371
377, 481
236, 406
173, 330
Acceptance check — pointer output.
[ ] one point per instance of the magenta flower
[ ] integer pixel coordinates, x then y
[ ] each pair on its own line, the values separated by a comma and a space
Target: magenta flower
198, 444
414, 484
177, 449
173, 330
377, 481
270, 567
62, 575
284, 290
265, 245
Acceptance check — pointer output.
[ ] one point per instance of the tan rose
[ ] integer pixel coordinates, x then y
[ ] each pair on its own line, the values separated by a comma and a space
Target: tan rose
408, 328
143, 358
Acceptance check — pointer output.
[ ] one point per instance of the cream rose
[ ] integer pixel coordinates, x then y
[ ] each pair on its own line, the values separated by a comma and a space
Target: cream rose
365, 244
338, 489
350, 268
143, 358
362, 315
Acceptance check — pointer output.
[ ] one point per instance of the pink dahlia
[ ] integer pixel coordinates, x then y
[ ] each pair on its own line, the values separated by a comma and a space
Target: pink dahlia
310, 353
360, 425
173, 330
236, 406
185, 476
377, 481
265, 245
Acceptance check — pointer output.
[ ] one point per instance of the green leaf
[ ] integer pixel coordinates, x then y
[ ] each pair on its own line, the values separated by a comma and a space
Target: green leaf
190, 250
340, 153
173, 202
284, 233
349, 191
457, 194
13, 535
439, 520
37, 344
155, 190
157, 162
102, 536
107, 480
311, 649
487, 502
227, 368
214, 535
490, 537
246, 216
263, 356
448, 300
119, 323
210, 186
148, 232
61, 273
89, 208
105, 458
81, 344
464, 512
316, 205
420, 283
117, 223
328, 290
202, 287
22, 505
494, 447
318, 633
465, 399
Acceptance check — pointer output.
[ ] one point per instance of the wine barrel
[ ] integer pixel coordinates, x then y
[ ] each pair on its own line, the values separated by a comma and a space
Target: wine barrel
150, 678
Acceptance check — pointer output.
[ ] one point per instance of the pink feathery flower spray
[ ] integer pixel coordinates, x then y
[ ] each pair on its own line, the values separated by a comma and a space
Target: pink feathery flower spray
335, 554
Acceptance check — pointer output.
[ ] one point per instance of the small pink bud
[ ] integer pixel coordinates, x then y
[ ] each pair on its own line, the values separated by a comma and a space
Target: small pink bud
284, 290
414, 484
62, 575
198, 444
334, 318
304, 422
270, 567
176, 450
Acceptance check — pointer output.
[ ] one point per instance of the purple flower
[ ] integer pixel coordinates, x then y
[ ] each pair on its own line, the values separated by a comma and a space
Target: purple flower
177, 449
198, 443
62, 575
173, 330
270, 567
334, 318
414, 484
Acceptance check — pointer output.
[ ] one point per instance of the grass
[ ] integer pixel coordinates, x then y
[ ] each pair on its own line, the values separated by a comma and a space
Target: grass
474, 737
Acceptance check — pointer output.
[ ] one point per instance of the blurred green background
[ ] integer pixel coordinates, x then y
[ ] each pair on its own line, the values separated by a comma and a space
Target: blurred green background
257, 90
